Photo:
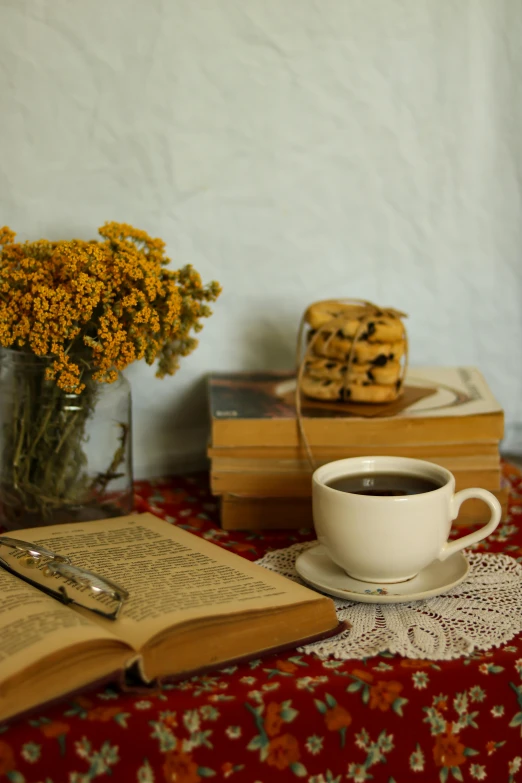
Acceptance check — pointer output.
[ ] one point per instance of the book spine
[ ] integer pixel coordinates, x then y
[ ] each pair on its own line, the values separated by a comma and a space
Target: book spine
354, 431
225, 465
286, 484
246, 513
329, 454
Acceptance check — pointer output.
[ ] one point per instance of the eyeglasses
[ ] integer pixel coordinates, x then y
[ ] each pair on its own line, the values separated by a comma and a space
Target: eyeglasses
73, 585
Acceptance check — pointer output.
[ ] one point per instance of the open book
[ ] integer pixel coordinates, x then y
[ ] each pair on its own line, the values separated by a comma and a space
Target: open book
192, 606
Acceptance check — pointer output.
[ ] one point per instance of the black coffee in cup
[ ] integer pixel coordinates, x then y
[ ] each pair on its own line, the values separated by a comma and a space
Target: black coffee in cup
384, 484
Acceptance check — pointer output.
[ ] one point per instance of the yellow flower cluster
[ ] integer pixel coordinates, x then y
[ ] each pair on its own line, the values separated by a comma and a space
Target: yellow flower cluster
99, 305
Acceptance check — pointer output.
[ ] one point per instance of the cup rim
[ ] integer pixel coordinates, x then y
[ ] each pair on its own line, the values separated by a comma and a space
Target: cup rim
406, 462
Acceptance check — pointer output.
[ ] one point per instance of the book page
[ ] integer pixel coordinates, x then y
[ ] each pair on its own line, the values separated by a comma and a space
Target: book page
172, 575
33, 625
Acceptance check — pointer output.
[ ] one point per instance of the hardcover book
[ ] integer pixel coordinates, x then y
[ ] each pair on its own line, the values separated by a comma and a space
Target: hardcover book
193, 605
243, 512
440, 405
292, 478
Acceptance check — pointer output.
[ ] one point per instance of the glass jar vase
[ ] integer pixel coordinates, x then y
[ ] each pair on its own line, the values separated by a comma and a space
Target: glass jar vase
64, 457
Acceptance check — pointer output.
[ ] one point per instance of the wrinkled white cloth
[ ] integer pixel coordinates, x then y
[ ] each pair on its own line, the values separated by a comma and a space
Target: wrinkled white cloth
482, 612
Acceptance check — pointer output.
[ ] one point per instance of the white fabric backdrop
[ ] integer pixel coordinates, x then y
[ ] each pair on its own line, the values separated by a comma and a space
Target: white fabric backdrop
292, 150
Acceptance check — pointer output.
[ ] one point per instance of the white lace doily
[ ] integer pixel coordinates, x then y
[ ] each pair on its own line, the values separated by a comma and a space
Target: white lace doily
482, 612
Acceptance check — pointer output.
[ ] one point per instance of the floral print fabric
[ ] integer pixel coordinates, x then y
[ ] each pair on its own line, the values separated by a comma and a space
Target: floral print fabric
383, 719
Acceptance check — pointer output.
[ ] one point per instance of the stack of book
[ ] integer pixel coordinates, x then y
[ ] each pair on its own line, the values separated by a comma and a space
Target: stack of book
260, 466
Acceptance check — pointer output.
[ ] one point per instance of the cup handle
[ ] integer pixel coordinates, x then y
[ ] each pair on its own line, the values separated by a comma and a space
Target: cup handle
450, 547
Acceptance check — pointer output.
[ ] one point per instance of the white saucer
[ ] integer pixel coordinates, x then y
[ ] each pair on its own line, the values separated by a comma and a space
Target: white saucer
316, 568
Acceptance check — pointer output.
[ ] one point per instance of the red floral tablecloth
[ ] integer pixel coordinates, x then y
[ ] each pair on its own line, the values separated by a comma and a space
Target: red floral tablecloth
292, 716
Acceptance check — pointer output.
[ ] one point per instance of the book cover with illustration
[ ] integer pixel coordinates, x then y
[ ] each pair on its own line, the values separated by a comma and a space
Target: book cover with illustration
428, 392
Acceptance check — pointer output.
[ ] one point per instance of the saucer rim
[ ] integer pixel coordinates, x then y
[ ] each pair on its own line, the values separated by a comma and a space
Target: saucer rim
370, 598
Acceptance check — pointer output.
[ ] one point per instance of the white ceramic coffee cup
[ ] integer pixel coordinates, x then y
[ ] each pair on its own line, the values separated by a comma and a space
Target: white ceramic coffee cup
385, 538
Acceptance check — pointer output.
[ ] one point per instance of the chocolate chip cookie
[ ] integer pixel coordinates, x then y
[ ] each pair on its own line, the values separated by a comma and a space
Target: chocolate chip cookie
379, 328
325, 389
329, 369
337, 346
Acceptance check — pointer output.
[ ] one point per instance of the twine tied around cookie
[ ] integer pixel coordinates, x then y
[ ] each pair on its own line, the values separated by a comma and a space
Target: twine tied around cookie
357, 309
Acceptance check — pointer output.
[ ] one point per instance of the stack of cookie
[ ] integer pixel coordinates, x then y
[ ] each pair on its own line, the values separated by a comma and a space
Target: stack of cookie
355, 353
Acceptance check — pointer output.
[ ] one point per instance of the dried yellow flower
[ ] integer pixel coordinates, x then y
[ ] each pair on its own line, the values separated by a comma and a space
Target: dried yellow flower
109, 301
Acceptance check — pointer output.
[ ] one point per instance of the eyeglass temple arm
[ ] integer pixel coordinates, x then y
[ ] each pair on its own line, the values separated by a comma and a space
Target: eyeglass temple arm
25, 547
119, 593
